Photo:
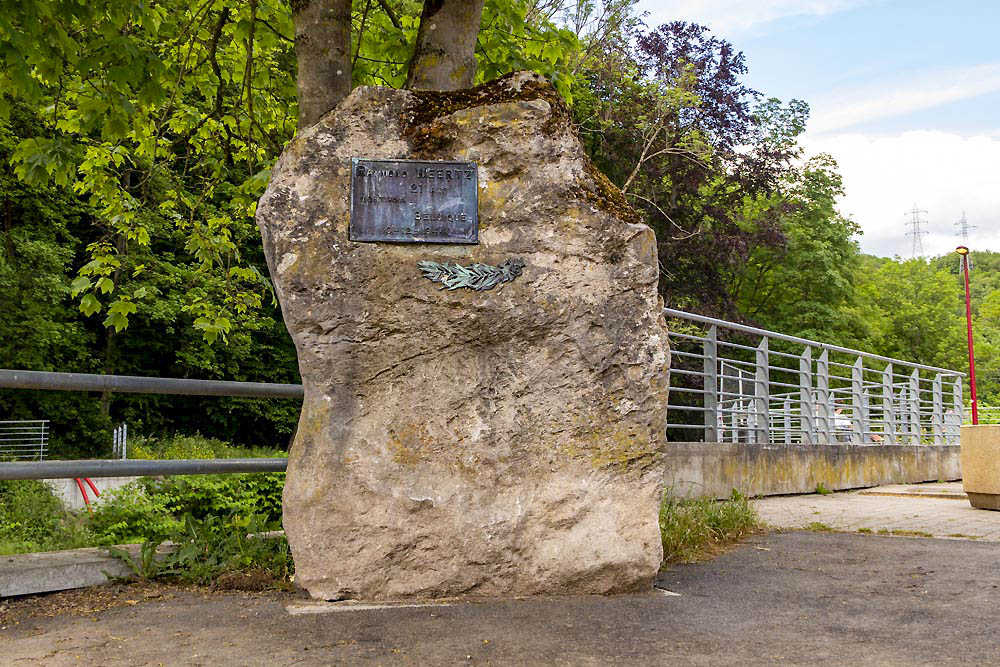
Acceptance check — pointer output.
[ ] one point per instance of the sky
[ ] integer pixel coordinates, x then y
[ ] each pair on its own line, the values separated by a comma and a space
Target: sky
905, 94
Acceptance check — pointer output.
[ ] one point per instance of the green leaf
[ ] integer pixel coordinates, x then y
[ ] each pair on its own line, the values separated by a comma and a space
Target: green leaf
79, 284
89, 305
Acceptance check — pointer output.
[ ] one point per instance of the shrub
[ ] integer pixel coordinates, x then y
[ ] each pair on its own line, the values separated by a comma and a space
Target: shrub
32, 518
693, 530
194, 447
130, 514
203, 496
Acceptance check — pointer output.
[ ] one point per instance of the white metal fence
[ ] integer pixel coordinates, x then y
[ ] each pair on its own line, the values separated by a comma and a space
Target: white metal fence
734, 383
24, 440
119, 442
987, 415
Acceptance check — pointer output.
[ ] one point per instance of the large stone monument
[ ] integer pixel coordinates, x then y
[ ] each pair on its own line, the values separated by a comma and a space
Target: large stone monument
485, 382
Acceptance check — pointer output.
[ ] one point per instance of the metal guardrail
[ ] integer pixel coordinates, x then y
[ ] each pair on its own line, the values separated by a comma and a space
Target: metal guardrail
26, 439
734, 383
11, 379
135, 467
144, 385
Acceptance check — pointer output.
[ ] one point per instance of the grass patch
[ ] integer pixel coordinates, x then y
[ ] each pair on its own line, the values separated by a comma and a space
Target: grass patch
822, 490
694, 530
866, 531
818, 527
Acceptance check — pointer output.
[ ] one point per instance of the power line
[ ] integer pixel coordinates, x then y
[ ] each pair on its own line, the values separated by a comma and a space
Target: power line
915, 230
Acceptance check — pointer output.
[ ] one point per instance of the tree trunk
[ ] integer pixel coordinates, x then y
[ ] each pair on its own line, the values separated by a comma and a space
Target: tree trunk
323, 51
445, 54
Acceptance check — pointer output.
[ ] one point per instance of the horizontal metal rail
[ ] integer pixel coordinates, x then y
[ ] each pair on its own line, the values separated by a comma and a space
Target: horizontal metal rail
131, 384
800, 341
137, 467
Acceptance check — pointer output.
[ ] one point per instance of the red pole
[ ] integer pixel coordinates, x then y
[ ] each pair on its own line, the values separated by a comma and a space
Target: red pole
968, 323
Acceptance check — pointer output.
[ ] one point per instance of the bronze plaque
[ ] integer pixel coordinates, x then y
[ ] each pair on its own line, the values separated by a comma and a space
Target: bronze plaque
413, 201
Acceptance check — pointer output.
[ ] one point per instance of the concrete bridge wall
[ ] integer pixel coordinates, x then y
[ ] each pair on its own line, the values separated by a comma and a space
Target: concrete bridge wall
697, 469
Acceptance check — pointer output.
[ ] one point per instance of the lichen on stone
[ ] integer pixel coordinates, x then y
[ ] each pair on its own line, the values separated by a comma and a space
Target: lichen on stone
429, 105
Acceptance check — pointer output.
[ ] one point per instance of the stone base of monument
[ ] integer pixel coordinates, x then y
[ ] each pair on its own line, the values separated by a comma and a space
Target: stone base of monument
981, 465
483, 415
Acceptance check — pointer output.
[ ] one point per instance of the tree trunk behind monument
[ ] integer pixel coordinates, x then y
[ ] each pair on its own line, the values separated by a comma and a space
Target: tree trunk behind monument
444, 57
323, 56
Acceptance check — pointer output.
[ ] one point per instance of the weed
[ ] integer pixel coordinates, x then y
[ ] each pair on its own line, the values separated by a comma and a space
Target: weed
911, 533
693, 530
884, 531
818, 527
145, 565
205, 550
865, 530
822, 490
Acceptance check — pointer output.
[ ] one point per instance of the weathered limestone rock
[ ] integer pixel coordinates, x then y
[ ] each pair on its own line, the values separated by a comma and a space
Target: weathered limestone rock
462, 442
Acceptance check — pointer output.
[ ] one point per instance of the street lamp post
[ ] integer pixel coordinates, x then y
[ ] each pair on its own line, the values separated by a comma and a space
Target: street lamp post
964, 252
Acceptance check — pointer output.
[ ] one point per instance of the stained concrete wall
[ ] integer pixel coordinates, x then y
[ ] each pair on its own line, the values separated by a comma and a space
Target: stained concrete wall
714, 469
68, 492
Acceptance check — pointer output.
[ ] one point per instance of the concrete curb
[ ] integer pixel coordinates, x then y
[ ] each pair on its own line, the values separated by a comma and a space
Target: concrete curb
25, 574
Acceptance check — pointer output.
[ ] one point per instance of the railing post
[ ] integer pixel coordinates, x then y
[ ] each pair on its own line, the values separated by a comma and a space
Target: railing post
857, 401
888, 407
761, 382
915, 407
825, 432
710, 367
787, 405
958, 405
937, 401
807, 406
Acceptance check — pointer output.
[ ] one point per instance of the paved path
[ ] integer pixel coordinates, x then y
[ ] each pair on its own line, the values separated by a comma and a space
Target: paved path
908, 508
810, 599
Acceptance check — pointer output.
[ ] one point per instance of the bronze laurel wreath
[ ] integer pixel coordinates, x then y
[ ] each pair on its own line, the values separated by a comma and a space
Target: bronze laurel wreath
478, 277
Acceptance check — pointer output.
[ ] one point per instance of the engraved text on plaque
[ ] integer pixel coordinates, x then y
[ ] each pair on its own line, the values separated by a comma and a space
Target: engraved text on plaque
412, 201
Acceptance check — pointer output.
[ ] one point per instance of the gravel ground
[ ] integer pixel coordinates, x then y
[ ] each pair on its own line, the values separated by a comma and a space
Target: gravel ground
785, 598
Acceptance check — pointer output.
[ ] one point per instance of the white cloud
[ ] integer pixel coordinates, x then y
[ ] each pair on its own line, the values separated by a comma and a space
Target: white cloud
941, 172
729, 17
844, 108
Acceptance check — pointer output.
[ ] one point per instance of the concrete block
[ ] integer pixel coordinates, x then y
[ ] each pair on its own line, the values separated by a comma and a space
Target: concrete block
25, 574
981, 465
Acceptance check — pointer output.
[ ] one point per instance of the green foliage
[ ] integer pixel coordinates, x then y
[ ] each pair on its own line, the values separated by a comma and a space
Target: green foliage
818, 527
195, 447
807, 284
132, 514
147, 564
213, 546
913, 311
692, 530
822, 490
202, 551
32, 518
